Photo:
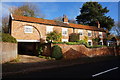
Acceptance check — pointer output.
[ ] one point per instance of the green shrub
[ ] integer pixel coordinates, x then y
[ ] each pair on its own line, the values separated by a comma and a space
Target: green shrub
56, 52
82, 42
7, 38
72, 43
74, 37
54, 36
58, 42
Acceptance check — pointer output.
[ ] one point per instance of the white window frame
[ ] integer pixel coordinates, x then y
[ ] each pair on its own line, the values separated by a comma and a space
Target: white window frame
26, 29
80, 31
90, 33
49, 29
100, 34
101, 41
90, 41
64, 40
64, 30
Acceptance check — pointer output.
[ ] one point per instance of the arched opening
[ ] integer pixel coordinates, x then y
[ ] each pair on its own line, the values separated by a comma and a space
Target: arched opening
29, 44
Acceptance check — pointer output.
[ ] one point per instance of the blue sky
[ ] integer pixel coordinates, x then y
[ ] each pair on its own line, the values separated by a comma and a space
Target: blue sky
56, 9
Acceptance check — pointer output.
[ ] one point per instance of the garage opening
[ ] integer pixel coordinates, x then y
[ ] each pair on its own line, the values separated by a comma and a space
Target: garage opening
27, 48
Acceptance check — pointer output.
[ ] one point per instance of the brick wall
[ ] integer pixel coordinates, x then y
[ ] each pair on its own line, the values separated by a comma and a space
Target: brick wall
76, 51
9, 51
39, 31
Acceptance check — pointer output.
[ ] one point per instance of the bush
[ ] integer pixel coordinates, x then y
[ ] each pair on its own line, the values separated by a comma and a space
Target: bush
54, 36
74, 37
72, 43
58, 42
56, 52
82, 42
7, 38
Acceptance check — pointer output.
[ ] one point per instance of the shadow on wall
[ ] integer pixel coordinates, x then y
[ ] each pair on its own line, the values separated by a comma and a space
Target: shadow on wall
72, 54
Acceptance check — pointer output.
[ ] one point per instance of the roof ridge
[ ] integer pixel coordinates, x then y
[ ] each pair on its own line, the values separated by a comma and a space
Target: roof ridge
54, 22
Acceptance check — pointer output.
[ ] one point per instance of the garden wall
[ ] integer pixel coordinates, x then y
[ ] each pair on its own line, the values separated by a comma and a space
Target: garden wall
9, 51
76, 51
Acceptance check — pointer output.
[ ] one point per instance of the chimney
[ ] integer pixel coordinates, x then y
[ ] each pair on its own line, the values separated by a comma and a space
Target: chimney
65, 19
98, 24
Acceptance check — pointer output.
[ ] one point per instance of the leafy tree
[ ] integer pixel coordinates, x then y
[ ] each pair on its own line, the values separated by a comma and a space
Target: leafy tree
96, 41
85, 38
92, 13
27, 9
53, 36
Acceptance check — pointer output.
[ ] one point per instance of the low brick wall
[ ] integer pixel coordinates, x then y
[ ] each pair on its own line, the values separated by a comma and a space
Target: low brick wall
9, 51
76, 51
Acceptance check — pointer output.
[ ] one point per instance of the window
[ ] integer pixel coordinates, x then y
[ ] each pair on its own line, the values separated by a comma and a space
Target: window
28, 29
90, 42
64, 31
100, 43
100, 34
64, 40
80, 32
89, 33
49, 29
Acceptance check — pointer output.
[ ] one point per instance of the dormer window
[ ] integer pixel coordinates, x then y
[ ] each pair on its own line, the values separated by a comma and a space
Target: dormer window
28, 29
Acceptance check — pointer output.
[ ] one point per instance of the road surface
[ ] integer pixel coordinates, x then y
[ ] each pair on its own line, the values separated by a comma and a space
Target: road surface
103, 69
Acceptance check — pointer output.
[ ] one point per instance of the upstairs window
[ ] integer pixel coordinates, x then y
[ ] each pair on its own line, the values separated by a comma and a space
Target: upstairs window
64, 31
100, 34
28, 29
49, 29
89, 33
80, 32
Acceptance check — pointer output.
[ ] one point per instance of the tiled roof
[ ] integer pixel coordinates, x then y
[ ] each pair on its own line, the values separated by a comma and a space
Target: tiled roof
55, 23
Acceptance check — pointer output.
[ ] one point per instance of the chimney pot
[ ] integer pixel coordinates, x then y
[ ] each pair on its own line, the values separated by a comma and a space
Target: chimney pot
65, 19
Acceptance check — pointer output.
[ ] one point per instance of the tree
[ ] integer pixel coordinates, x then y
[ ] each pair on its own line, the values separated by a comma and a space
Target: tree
93, 13
5, 23
58, 18
61, 19
96, 41
116, 29
72, 21
53, 36
27, 9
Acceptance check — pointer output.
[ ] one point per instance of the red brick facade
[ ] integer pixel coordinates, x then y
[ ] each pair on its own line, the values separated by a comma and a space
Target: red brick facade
39, 29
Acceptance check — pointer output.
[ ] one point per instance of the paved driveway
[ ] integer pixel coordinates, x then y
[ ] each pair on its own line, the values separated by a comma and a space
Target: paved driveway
28, 59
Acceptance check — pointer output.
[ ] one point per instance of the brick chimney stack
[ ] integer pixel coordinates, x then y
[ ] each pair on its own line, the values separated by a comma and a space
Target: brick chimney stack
65, 19
98, 24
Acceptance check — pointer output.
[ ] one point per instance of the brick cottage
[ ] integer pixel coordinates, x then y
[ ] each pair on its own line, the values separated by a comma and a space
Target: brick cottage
29, 31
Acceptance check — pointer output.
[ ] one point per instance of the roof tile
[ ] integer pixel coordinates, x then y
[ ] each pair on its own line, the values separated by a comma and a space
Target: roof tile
55, 23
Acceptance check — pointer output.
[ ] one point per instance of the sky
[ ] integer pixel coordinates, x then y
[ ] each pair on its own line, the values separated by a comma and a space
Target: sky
56, 9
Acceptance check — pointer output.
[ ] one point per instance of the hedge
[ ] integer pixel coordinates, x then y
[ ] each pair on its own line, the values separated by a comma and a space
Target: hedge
7, 38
